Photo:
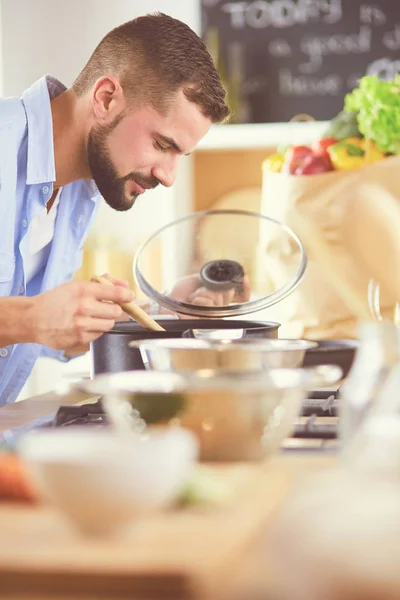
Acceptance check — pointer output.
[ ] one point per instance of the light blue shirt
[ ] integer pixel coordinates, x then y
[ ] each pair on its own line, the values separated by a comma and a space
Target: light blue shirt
27, 175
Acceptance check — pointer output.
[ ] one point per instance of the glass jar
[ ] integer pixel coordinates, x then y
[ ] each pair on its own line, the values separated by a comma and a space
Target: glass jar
376, 359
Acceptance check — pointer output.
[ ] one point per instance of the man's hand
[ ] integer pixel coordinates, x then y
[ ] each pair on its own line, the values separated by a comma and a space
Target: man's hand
114, 280
83, 348
76, 313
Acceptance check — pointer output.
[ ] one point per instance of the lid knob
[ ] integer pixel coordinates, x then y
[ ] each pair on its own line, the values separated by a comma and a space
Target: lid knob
222, 275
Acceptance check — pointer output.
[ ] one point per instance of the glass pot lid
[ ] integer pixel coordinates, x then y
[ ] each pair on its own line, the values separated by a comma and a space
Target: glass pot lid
220, 263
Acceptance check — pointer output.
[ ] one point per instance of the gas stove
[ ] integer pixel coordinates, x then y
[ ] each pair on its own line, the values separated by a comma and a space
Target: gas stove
317, 422
91, 415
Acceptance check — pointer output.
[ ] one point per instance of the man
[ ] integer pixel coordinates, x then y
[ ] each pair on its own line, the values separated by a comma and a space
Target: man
146, 97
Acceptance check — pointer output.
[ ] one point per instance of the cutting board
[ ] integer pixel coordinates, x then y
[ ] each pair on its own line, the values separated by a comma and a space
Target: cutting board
178, 554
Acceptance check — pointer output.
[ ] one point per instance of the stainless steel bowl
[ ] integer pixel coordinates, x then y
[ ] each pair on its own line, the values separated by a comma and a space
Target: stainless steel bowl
235, 415
183, 355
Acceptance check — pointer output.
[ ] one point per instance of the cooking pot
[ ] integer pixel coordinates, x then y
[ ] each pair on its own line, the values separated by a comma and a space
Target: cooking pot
111, 352
237, 264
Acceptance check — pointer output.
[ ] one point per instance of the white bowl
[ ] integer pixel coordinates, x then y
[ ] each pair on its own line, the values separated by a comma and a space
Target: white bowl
102, 479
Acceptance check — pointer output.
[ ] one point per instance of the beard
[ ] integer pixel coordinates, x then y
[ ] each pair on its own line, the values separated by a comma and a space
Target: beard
111, 186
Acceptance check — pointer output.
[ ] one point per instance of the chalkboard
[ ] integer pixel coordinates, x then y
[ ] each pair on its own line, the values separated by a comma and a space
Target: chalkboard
279, 58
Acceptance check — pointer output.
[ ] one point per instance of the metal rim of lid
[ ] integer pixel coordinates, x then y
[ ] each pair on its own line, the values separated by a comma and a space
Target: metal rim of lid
224, 311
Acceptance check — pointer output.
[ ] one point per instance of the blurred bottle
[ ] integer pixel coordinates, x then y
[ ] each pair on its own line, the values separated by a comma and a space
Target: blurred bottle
366, 386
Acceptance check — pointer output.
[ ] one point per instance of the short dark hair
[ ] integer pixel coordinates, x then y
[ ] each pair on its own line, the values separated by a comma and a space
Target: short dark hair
154, 56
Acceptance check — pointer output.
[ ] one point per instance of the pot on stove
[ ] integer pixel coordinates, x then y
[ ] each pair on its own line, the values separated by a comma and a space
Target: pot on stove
218, 269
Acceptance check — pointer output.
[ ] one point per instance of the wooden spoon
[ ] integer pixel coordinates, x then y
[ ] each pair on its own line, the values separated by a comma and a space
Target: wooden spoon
133, 310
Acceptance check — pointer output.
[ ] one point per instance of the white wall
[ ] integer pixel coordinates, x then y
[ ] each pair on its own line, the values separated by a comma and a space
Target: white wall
57, 37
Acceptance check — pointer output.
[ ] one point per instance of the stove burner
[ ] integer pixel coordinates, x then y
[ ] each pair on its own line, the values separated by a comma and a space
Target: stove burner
318, 404
312, 431
320, 408
87, 414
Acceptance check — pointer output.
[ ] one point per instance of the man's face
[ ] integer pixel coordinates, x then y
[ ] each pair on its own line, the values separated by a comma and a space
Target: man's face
141, 149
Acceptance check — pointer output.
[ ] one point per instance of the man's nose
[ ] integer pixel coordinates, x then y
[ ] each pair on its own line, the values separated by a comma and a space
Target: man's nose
166, 172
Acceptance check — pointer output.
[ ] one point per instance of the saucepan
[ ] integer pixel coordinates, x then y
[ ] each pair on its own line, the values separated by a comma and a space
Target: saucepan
110, 353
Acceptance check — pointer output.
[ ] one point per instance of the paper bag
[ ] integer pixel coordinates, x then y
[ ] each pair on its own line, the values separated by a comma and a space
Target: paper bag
346, 207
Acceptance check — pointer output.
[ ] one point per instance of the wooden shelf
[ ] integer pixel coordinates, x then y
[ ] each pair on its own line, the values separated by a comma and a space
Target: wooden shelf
221, 172
261, 135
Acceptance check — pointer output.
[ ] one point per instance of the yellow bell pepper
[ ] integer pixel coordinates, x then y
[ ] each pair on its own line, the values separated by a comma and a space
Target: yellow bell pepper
372, 154
274, 162
354, 153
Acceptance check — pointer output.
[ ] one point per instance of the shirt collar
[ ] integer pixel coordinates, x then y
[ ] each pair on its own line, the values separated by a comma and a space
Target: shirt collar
92, 189
36, 99
41, 164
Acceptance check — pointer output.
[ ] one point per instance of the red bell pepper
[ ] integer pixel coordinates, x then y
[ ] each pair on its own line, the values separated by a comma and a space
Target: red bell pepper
294, 158
320, 147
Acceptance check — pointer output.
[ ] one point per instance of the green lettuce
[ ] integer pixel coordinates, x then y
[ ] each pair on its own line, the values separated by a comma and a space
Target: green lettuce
377, 104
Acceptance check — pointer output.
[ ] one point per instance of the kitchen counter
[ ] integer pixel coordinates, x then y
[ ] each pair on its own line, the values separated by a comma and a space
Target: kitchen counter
186, 554
28, 413
41, 557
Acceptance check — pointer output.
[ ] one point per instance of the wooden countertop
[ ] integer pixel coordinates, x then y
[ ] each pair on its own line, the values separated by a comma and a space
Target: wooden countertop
27, 411
186, 554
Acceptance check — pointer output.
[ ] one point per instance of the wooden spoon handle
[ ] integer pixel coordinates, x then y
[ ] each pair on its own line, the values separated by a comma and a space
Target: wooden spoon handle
133, 310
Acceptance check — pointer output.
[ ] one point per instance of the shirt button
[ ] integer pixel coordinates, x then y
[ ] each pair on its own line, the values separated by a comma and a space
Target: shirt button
80, 220
3, 352
25, 223
45, 189
22, 289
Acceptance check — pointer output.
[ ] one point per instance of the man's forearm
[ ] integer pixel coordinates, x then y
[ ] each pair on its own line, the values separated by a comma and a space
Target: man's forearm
15, 323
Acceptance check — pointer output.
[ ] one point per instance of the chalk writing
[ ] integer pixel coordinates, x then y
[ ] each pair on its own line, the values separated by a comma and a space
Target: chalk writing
282, 13
290, 85
372, 14
279, 47
384, 68
317, 47
303, 56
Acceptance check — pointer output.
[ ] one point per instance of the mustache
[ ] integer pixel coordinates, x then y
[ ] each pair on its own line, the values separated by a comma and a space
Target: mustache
145, 182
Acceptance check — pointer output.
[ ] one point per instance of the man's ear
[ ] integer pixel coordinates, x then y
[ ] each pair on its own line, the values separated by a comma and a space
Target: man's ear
108, 100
